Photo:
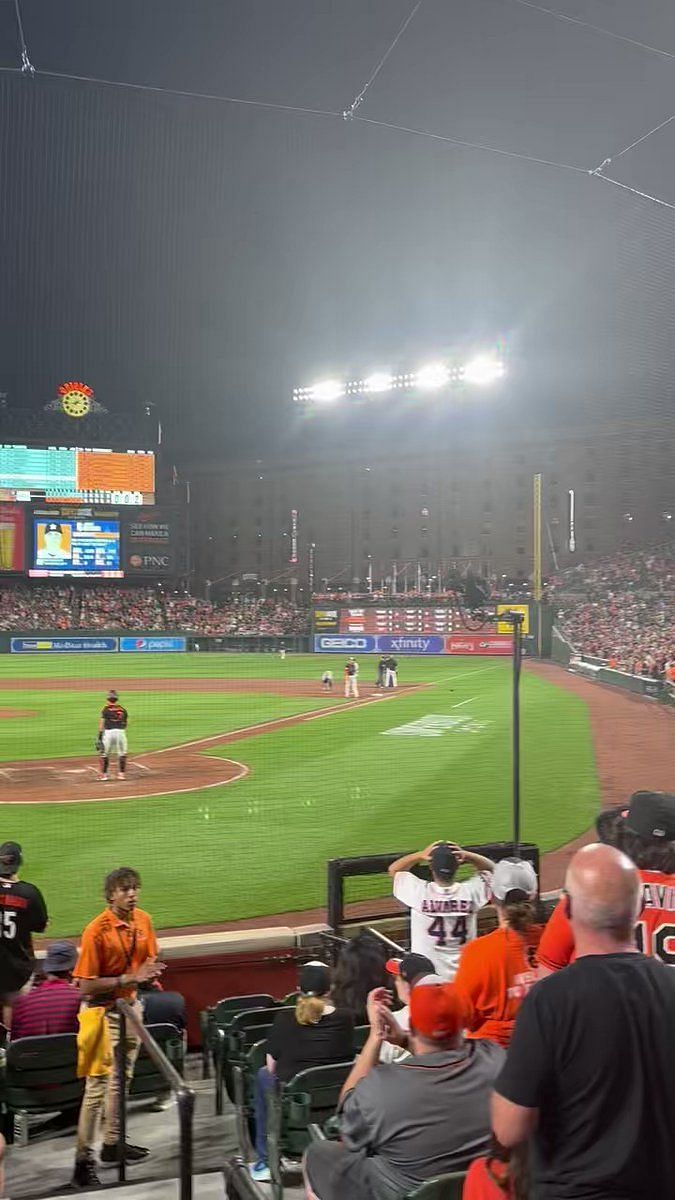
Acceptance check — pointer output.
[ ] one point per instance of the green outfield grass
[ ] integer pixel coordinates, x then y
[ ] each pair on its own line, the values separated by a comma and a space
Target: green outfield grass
332, 786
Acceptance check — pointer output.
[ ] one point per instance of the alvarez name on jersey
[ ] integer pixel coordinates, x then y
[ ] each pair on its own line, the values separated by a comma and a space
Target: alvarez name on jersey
442, 918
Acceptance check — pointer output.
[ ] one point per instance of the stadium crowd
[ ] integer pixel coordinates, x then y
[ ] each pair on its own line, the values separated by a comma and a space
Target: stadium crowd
47, 606
238, 616
622, 609
536, 1059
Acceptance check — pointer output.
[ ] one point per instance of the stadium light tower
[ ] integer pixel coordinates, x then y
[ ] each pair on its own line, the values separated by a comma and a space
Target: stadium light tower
480, 371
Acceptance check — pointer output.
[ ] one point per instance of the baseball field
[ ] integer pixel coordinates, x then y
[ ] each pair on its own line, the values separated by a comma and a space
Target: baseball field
245, 776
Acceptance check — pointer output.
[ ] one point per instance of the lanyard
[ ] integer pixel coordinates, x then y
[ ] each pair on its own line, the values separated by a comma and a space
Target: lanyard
128, 953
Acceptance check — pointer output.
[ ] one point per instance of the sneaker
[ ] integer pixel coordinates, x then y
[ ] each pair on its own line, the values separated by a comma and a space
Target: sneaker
132, 1154
121, 775
84, 1175
260, 1171
103, 778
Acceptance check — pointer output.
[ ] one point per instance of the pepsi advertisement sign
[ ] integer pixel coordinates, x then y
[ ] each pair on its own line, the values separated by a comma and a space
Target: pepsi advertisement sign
344, 643
153, 645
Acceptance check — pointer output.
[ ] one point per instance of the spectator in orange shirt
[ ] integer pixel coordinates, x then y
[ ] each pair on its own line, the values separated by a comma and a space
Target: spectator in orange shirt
118, 951
496, 971
645, 831
500, 1176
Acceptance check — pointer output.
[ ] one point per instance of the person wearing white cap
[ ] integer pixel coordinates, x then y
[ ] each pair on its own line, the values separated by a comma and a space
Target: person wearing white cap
496, 971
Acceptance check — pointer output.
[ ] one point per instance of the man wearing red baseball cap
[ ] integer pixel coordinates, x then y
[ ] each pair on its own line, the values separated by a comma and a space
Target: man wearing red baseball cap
406, 1122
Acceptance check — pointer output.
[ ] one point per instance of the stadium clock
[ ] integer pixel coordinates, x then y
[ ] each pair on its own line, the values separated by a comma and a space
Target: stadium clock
76, 399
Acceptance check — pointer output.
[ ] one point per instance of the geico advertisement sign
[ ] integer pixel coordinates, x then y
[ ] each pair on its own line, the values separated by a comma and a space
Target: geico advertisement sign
341, 642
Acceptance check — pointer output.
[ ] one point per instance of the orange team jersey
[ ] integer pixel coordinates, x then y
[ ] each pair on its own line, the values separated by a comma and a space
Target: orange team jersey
111, 947
496, 972
654, 931
486, 1179
556, 948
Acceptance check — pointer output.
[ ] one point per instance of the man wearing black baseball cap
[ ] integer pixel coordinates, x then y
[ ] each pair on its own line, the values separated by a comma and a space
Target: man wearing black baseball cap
645, 831
22, 913
443, 914
53, 541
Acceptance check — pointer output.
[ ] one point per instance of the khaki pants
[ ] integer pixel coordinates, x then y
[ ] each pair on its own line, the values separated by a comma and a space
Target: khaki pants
101, 1091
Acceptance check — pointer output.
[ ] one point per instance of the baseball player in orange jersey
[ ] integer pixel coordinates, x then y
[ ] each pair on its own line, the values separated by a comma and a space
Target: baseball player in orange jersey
112, 736
646, 833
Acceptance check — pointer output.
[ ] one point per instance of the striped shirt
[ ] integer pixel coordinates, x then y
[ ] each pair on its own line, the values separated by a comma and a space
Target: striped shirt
49, 1007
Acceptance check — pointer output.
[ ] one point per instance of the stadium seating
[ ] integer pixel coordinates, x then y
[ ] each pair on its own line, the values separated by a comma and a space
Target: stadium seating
220, 1016
621, 609
148, 1080
306, 1100
39, 1076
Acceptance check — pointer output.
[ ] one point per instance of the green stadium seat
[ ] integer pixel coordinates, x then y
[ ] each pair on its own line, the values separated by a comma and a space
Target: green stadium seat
444, 1187
39, 1076
220, 1016
307, 1099
245, 1029
148, 1080
243, 1086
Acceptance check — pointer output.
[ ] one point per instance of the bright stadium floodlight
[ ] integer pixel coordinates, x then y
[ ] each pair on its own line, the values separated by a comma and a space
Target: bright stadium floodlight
328, 389
433, 375
379, 381
482, 370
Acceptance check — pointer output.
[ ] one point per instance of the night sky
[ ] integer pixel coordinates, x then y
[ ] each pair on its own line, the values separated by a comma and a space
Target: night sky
207, 257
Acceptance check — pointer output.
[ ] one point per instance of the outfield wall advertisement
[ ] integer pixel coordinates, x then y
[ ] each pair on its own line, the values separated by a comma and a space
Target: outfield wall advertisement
64, 645
153, 645
469, 643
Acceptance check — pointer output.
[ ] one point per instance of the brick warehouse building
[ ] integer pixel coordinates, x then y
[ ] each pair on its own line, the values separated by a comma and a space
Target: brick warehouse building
468, 500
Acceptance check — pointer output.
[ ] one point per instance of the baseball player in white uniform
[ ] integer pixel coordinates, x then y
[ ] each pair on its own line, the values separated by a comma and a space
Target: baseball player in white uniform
351, 679
112, 736
443, 914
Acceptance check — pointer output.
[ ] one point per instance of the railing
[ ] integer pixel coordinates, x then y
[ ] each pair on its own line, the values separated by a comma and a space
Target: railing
185, 1097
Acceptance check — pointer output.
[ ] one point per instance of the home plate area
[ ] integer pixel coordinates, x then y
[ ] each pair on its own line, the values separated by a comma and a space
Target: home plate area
436, 724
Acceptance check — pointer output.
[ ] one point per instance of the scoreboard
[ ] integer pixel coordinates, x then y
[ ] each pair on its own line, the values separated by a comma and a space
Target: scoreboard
76, 547
398, 620
61, 474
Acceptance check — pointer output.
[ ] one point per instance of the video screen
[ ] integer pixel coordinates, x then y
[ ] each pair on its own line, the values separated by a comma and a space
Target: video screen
61, 474
70, 547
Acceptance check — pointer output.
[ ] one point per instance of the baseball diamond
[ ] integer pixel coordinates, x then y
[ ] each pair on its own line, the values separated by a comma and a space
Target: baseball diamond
312, 778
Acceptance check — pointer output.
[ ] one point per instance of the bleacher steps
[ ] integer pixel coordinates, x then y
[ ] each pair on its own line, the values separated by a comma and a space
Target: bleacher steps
205, 1187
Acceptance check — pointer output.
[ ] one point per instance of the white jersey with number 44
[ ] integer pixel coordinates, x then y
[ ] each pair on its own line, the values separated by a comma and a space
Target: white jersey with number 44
442, 919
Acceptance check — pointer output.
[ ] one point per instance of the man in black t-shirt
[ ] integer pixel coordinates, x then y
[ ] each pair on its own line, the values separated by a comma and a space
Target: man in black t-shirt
590, 1072
22, 913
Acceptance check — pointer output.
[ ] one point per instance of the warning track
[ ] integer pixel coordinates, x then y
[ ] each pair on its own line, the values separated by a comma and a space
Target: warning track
184, 768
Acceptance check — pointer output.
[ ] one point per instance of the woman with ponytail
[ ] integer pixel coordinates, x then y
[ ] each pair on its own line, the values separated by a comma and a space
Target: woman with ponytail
496, 971
313, 1034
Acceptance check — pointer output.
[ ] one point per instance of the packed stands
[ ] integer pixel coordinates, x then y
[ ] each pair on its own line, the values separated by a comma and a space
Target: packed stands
238, 616
48, 606
123, 608
621, 609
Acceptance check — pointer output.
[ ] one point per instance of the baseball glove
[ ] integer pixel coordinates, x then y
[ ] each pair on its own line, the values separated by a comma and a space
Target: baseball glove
99, 744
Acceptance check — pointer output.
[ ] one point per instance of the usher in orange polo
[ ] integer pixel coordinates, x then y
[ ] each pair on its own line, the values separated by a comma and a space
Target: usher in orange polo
111, 947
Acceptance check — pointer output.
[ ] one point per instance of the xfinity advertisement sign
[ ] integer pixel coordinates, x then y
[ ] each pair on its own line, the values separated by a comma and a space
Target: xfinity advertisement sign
411, 643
